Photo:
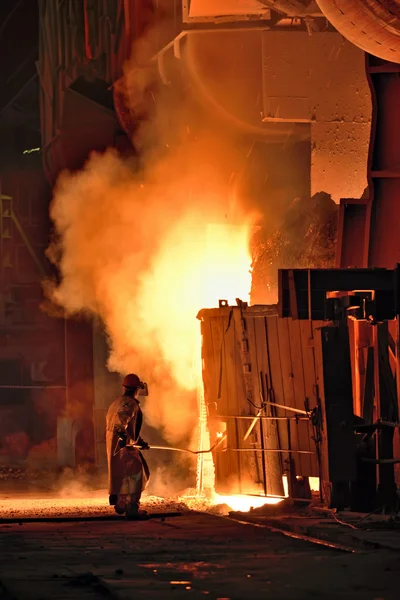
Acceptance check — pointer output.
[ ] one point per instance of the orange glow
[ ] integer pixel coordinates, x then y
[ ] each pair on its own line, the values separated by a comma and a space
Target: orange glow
198, 263
226, 267
244, 503
158, 248
314, 484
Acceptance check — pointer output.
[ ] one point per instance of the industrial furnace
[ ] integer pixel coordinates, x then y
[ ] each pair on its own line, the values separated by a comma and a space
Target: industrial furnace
278, 386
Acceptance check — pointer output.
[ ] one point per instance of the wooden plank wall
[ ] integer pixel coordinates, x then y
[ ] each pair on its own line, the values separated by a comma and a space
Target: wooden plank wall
269, 434
284, 370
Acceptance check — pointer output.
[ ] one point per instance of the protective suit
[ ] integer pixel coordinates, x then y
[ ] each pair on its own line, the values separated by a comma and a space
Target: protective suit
128, 473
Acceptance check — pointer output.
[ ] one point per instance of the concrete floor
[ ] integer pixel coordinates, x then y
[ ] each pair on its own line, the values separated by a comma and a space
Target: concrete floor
195, 555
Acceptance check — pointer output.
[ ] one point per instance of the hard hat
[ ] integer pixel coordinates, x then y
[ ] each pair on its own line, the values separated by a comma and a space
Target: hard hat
132, 381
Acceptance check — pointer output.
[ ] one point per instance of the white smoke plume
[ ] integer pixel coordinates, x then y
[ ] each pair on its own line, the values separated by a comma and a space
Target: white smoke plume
146, 248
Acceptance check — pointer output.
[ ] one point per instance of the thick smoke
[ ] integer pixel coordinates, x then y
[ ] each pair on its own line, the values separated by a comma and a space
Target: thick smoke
143, 244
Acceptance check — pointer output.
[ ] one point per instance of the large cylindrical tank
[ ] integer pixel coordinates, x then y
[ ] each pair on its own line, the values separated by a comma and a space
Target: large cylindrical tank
371, 25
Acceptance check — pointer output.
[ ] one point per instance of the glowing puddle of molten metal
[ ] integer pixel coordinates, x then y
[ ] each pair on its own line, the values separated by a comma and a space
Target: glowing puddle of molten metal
243, 503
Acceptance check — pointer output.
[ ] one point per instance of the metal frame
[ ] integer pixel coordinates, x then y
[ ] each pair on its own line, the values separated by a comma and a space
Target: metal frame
303, 295
14, 219
186, 18
262, 418
382, 77
262, 451
303, 292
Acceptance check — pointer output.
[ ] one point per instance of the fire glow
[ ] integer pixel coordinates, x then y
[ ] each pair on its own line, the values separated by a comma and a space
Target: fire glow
244, 503
146, 248
145, 253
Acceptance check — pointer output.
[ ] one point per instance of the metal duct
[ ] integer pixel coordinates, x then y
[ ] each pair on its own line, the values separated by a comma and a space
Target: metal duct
372, 25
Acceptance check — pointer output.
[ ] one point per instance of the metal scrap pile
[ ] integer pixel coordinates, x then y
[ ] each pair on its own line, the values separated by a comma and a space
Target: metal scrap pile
306, 238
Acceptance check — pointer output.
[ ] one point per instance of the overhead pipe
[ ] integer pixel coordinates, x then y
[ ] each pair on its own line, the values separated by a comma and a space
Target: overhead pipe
371, 25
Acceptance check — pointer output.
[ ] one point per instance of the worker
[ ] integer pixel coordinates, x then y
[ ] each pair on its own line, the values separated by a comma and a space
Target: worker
128, 473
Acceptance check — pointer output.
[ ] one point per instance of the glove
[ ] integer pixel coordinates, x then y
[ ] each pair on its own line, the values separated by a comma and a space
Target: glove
122, 440
143, 445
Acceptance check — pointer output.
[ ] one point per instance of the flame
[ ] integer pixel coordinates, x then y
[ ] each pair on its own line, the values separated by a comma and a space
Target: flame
146, 252
197, 264
228, 264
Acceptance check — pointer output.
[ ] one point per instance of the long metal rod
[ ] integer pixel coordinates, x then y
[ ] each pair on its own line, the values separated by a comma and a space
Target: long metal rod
186, 450
268, 450
264, 418
290, 408
388, 423
170, 448
277, 496
252, 424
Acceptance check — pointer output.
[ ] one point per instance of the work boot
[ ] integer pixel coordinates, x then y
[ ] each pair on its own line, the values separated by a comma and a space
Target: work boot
119, 509
134, 514
120, 504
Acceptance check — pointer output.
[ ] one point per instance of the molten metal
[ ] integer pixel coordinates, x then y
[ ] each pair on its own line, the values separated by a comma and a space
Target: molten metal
242, 503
